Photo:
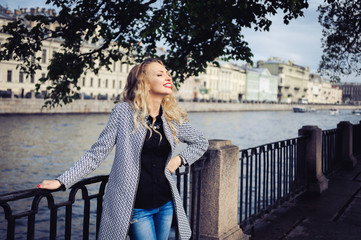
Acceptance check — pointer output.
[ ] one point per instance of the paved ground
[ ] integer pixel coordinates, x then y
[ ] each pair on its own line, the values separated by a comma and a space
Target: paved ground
333, 215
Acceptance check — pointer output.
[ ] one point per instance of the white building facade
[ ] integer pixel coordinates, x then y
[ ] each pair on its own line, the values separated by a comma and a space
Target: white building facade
261, 85
106, 83
223, 83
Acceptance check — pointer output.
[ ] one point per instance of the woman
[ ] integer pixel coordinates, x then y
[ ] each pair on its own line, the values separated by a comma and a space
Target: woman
141, 194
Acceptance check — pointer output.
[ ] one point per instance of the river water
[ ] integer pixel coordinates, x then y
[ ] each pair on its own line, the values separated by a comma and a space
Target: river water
36, 147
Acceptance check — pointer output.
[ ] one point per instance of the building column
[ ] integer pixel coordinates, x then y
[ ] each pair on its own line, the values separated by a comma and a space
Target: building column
219, 193
345, 140
317, 182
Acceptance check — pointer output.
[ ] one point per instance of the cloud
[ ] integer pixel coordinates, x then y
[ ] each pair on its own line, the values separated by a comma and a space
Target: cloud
299, 41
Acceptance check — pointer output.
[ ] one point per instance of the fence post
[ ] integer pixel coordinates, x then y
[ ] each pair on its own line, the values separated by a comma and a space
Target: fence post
317, 182
348, 160
219, 193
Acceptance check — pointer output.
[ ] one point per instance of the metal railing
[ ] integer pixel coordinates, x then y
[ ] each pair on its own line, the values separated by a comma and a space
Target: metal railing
81, 218
12, 202
189, 185
330, 150
270, 175
194, 196
356, 140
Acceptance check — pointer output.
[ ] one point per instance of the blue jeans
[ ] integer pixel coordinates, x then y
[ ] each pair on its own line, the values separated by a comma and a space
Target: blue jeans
152, 223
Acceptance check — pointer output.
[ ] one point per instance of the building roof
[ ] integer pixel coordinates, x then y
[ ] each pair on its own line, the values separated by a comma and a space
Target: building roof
22, 12
276, 60
4, 13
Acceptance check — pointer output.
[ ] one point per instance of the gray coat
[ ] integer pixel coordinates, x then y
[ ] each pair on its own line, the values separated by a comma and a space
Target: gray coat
123, 179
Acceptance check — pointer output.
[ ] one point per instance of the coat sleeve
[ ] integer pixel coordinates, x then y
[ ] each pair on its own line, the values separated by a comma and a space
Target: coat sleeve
96, 154
197, 144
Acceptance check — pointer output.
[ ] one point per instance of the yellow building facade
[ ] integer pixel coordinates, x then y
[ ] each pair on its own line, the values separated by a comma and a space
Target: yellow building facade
322, 91
293, 79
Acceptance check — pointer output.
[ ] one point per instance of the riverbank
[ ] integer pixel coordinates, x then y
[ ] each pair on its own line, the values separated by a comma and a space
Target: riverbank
34, 106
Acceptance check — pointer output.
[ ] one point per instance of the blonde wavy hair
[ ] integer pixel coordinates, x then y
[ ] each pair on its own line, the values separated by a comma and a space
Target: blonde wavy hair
136, 93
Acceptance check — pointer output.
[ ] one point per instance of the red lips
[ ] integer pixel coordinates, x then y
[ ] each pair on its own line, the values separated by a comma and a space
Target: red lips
168, 85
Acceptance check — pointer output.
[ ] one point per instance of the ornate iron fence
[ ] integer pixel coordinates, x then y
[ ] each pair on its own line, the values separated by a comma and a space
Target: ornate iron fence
270, 175
330, 151
189, 185
37, 221
357, 140
12, 202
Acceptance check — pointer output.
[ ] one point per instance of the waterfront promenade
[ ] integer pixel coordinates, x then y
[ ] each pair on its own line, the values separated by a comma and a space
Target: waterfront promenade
333, 215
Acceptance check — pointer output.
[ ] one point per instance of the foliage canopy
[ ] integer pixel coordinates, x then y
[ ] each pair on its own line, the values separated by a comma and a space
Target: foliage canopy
341, 41
194, 33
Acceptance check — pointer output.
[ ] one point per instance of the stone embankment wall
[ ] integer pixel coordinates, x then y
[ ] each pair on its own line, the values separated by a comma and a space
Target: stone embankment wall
34, 106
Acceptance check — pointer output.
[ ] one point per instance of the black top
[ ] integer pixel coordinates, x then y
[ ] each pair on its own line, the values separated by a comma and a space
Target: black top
153, 189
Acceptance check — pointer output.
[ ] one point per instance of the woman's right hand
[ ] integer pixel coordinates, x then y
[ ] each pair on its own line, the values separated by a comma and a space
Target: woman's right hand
49, 184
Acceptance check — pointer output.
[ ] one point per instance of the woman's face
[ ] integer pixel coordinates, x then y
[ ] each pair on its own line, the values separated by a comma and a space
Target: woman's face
159, 80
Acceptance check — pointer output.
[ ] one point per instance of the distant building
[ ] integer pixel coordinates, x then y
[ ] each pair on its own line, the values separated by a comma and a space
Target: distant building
336, 94
192, 89
106, 84
351, 93
261, 85
293, 79
321, 90
226, 83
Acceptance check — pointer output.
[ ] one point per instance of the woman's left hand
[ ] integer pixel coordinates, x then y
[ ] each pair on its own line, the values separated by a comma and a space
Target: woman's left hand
174, 164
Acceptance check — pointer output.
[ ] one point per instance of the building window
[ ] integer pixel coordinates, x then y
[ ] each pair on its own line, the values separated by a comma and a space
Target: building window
120, 84
32, 78
43, 75
113, 84
9, 75
83, 81
99, 82
43, 56
106, 83
21, 77
91, 82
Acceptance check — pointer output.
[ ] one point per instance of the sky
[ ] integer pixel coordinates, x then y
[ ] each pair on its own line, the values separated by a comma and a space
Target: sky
299, 41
